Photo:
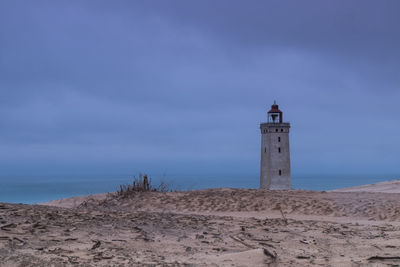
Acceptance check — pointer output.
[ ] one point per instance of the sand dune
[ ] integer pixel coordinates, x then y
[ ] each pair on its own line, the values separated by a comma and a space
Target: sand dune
367, 205
383, 187
214, 227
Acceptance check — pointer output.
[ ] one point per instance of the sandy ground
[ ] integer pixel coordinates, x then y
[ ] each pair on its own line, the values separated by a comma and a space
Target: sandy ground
215, 227
384, 187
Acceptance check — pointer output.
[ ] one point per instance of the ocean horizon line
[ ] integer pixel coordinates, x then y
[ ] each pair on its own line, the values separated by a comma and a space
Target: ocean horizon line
42, 188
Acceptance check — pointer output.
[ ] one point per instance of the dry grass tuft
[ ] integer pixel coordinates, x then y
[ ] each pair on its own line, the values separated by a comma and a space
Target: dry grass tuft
142, 183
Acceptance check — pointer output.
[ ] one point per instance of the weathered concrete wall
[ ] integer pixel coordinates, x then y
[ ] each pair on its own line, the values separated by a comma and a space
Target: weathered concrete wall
275, 156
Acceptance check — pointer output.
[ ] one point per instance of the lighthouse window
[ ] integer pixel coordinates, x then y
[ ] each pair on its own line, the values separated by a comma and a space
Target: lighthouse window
279, 149
265, 150
281, 130
276, 130
280, 172
279, 138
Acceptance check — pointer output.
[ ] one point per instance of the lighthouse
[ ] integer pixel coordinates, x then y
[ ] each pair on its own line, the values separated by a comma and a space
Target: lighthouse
275, 153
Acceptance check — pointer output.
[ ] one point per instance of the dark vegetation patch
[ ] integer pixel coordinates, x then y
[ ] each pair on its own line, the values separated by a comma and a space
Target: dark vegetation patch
142, 183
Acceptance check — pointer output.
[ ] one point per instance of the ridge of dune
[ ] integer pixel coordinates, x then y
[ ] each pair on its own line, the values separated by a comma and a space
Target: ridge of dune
367, 205
72, 202
382, 187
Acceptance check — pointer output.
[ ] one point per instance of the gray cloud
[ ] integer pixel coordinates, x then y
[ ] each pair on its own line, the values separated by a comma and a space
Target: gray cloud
174, 83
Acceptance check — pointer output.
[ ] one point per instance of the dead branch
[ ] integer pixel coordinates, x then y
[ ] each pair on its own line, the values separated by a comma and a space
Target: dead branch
271, 254
242, 242
382, 258
283, 216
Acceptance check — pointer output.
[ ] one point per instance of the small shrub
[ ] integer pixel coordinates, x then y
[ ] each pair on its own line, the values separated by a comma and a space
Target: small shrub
141, 184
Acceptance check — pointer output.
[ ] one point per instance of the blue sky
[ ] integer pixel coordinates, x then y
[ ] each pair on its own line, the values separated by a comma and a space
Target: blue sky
181, 86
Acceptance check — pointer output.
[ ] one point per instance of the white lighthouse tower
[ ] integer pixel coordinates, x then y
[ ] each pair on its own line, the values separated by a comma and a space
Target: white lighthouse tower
275, 153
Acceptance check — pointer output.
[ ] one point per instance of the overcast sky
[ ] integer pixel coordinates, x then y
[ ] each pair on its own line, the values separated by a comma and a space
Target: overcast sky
181, 86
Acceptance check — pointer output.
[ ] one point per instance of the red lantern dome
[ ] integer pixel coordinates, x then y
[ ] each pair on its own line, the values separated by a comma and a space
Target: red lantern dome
275, 115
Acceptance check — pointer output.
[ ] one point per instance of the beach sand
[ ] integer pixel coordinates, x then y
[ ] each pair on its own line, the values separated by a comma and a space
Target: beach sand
213, 227
383, 187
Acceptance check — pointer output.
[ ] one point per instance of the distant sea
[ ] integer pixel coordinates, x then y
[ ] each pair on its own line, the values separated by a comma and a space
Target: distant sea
37, 189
